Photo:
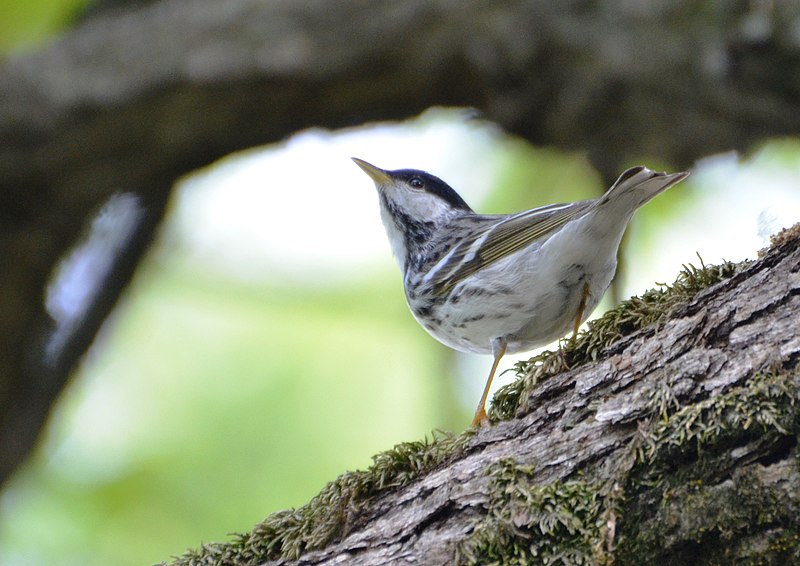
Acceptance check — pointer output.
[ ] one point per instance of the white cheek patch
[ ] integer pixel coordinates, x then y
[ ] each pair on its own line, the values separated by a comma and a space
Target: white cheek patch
426, 207
419, 205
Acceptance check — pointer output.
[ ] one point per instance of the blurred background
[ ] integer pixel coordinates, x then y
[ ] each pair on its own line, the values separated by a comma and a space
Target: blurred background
264, 345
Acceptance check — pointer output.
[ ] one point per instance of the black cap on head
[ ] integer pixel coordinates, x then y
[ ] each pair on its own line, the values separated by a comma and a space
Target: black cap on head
431, 184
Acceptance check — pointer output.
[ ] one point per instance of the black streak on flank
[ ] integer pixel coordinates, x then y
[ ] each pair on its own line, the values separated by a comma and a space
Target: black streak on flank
423, 311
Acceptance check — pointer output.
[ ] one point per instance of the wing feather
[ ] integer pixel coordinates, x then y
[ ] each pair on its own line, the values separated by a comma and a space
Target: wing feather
505, 236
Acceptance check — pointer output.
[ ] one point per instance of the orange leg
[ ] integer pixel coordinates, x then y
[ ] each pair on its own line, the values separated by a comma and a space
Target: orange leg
498, 348
581, 310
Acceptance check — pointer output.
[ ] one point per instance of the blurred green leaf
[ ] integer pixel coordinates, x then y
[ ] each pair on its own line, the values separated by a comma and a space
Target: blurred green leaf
25, 24
212, 404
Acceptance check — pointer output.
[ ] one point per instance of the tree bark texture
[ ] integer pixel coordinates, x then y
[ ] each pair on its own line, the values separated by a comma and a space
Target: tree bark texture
134, 97
676, 445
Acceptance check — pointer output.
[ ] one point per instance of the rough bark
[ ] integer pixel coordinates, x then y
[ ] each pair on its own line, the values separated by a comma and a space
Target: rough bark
677, 445
132, 98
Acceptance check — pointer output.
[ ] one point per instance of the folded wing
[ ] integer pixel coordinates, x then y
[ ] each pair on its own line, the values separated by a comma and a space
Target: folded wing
507, 235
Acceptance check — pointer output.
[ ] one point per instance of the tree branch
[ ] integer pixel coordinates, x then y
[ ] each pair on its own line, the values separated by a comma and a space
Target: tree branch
678, 443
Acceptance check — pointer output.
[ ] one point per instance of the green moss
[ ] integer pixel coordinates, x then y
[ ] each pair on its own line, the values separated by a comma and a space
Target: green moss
786, 545
692, 494
785, 236
557, 523
744, 519
675, 487
740, 521
653, 307
767, 401
336, 510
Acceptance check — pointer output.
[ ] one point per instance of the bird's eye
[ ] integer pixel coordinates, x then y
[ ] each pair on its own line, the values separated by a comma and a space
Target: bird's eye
416, 182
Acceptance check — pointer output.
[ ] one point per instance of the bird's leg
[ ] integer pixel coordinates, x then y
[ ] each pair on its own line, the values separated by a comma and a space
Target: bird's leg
498, 349
581, 310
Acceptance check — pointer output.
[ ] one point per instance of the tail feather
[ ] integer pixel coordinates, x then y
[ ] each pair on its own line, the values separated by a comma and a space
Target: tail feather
640, 184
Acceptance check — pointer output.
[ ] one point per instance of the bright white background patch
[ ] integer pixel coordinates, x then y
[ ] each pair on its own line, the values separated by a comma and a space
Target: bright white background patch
305, 209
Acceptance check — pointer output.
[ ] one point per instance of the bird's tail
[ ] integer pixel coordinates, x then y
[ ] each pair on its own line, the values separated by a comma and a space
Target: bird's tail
638, 185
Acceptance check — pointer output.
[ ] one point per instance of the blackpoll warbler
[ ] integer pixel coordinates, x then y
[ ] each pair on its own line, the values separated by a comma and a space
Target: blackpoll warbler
507, 282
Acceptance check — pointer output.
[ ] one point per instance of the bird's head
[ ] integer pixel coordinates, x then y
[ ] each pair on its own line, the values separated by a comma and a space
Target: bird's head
417, 194
413, 205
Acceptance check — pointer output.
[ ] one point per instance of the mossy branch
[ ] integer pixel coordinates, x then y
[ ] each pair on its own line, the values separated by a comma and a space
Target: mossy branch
666, 432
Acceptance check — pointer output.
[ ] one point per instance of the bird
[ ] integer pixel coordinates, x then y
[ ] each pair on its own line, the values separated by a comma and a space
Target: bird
504, 283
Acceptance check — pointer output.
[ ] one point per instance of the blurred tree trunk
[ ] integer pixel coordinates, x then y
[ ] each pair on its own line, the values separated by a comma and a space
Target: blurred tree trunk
134, 97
